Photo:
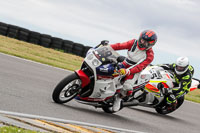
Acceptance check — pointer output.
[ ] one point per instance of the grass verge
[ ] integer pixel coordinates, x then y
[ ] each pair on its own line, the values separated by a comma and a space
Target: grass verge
13, 129
193, 96
40, 54
54, 58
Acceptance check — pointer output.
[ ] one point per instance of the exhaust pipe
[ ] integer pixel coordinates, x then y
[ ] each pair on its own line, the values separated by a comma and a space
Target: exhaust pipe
132, 103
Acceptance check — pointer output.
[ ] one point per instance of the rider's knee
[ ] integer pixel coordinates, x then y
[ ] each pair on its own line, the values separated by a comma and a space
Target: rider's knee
127, 87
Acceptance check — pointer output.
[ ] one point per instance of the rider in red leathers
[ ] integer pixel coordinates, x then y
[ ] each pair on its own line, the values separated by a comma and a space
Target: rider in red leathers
140, 55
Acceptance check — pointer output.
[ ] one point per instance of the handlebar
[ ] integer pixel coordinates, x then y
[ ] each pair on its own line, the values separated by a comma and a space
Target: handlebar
103, 43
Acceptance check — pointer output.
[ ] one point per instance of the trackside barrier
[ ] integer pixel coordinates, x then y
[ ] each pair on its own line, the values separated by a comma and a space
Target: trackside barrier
41, 39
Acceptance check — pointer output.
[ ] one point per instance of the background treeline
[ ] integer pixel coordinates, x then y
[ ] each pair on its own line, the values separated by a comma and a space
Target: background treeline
43, 39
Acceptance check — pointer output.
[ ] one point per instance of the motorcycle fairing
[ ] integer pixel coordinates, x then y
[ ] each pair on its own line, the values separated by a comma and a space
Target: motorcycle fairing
89, 99
103, 87
151, 88
84, 78
194, 85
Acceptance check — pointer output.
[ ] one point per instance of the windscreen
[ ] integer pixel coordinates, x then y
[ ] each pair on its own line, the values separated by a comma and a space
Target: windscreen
105, 53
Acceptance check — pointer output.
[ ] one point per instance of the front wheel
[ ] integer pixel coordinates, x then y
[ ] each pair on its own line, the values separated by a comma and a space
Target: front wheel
165, 110
67, 89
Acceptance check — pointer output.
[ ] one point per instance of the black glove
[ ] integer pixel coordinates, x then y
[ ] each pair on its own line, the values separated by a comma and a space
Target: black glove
104, 42
171, 101
171, 98
121, 58
163, 90
160, 86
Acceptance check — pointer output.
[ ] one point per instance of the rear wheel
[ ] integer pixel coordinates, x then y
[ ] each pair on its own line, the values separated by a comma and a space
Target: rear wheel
67, 89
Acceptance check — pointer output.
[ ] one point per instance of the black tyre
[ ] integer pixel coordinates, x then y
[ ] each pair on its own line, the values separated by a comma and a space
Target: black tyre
45, 40
23, 34
67, 89
163, 109
12, 31
33, 40
3, 29
12, 35
108, 109
56, 43
78, 49
68, 46
34, 37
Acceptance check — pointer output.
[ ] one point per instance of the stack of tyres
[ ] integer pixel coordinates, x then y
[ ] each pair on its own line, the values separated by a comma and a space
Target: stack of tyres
34, 37
68, 46
23, 34
12, 31
3, 29
45, 40
56, 43
78, 49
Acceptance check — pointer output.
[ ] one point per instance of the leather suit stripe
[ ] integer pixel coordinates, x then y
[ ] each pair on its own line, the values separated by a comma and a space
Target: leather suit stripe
134, 46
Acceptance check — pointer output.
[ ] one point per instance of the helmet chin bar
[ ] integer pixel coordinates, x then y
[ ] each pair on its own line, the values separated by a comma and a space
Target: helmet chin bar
140, 46
144, 44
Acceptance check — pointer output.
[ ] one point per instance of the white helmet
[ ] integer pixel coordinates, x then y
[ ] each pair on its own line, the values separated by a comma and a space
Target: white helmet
182, 64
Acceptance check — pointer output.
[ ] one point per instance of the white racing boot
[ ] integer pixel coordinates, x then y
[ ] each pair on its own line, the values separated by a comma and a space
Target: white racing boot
117, 103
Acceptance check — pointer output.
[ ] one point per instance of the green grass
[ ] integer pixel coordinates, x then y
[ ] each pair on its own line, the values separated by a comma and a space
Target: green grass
13, 129
55, 58
40, 54
193, 96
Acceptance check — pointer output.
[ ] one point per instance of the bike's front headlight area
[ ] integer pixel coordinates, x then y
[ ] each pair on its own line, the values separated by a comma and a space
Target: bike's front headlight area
90, 57
95, 62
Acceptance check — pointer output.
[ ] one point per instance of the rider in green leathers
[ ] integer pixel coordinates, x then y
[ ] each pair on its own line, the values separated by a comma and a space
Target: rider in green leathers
183, 73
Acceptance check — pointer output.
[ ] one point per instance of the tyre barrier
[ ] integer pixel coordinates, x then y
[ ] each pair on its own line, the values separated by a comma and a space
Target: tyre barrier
23, 34
34, 37
3, 29
68, 46
12, 31
43, 39
78, 49
56, 43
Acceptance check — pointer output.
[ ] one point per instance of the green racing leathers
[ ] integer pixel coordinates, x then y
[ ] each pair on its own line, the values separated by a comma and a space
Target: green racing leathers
182, 82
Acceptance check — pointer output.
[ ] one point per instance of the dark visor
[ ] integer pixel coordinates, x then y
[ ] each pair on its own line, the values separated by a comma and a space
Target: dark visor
180, 69
145, 44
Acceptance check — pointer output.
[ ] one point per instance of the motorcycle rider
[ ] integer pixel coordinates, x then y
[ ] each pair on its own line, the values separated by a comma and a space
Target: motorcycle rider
140, 55
183, 73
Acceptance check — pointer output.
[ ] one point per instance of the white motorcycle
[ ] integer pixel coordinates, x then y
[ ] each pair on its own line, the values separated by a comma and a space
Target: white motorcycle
154, 93
89, 87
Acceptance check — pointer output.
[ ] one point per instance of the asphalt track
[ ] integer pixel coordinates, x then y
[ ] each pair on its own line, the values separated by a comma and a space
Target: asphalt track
26, 87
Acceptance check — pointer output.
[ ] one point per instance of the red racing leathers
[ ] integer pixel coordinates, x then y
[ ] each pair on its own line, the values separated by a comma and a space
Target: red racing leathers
137, 59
